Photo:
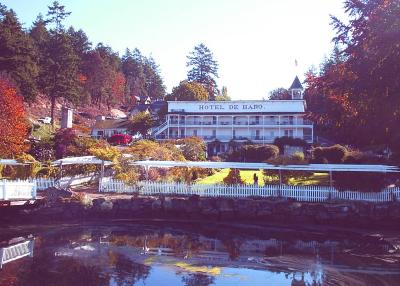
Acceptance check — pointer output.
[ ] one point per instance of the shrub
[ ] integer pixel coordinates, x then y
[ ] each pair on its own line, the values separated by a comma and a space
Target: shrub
42, 150
298, 156
63, 139
215, 159
361, 181
289, 141
334, 154
233, 178
272, 176
254, 153
29, 170
193, 148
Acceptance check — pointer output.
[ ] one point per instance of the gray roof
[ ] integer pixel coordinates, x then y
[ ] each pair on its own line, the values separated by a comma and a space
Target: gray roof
111, 124
296, 84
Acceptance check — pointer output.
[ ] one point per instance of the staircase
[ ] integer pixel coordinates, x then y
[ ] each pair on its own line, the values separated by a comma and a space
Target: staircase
159, 129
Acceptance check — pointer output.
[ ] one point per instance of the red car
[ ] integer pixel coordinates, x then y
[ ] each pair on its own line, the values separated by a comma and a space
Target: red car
120, 139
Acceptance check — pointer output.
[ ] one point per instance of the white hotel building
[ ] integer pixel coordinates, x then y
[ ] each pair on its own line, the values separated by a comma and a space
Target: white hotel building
260, 121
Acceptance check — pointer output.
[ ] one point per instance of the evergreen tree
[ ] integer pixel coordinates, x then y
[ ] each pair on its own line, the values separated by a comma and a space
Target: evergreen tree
60, 70
203, 69
102, 69
135, 78
17, 54
56, 15
80, 44
154, 84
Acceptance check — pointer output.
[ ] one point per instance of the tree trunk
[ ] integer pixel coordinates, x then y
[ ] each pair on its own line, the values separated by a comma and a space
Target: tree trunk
53, 105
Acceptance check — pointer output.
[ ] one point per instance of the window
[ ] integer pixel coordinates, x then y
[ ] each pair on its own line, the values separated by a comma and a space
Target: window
289, 133
214, 133
195, 132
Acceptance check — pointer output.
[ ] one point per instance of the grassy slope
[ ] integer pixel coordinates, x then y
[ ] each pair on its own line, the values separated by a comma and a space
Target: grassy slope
247, 176
44, 132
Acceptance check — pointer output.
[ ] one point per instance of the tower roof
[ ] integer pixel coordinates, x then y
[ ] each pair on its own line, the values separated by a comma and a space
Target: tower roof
296, 84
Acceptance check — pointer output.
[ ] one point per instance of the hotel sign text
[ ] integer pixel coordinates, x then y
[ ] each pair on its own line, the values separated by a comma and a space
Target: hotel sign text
232, 107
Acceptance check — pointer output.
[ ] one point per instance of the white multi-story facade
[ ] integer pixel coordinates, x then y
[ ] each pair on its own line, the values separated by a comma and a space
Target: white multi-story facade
260, 121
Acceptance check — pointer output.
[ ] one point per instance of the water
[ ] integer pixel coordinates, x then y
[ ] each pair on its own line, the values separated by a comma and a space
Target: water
161, 253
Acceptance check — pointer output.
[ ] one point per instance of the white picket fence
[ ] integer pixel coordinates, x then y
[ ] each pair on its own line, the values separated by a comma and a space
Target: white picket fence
44, 183
27, 189
17, 190
300, 193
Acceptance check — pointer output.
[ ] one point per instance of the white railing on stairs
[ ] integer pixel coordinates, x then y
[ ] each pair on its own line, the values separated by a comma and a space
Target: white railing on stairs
300, 193
159, 128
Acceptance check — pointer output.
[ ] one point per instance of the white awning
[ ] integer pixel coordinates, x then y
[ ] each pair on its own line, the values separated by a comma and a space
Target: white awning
265, 166
11, 162
84, 160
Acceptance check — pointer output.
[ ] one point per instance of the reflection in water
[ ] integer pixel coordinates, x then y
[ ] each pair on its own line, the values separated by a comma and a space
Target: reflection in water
16, 248
154, 255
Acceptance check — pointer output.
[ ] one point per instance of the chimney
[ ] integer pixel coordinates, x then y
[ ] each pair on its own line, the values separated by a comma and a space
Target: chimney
66, 117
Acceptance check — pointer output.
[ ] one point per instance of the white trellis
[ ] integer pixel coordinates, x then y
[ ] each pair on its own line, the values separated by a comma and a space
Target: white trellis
300, 193
17, 190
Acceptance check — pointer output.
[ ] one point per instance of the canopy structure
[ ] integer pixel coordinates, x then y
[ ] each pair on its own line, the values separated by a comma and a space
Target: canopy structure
10, 162
266, 166
83, 160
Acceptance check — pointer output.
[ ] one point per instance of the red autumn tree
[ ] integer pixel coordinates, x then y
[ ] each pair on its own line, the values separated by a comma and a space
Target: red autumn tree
13, 125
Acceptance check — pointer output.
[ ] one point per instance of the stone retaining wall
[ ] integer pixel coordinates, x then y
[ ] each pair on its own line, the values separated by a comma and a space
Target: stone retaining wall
361, 214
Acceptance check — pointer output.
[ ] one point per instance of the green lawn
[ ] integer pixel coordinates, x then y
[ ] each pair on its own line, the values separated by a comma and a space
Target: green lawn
44, 132
247, 177
217, 178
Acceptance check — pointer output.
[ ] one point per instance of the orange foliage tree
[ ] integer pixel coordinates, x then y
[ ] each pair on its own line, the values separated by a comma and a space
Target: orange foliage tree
13, 125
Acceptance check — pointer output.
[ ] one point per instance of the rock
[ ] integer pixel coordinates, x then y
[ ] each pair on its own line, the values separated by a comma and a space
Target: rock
246, 208
106, 206
226, 208
157, 205
53, 194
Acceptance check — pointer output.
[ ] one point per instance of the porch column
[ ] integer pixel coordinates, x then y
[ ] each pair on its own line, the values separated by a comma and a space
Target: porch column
279, 126
263, 129
184, 120
248, 127
201, 126
232, 127
168, 126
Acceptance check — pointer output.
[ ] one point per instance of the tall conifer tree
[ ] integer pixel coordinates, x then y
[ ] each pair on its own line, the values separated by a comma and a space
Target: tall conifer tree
203, 69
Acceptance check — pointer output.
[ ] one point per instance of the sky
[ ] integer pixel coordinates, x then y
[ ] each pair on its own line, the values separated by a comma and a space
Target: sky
256, 42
